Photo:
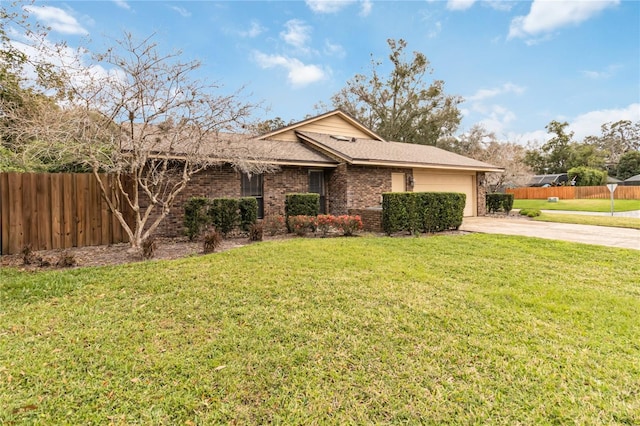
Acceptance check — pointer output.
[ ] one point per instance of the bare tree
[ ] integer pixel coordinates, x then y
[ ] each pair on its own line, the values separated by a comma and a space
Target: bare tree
483, 145
509, 156
144, 118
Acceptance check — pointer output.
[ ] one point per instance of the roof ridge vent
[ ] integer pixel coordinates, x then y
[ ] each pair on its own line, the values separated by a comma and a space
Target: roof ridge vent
342, 138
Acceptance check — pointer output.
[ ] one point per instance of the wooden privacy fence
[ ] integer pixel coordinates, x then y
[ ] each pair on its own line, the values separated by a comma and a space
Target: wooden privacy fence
575, 192
56, 211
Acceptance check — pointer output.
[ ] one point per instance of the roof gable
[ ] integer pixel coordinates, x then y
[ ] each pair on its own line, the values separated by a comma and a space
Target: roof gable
335, 122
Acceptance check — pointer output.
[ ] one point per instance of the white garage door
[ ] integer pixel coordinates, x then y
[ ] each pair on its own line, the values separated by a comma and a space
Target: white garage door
428, 181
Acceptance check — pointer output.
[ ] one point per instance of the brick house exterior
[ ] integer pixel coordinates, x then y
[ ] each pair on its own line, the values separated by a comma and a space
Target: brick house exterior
352, 165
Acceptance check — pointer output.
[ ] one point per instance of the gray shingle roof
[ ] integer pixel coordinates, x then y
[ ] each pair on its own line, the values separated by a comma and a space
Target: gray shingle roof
318, 149
367, 151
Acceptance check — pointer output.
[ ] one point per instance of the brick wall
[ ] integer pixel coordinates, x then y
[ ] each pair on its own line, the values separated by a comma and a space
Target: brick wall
366, 185
215, 182
277, 185
350, 189
337, 190
371, 218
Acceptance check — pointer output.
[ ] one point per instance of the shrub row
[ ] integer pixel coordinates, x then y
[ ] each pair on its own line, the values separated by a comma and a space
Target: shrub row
499, 202
422, 211
225, 214
345, 224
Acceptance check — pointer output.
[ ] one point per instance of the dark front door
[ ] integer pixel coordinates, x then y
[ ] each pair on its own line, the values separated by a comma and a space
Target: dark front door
317, 186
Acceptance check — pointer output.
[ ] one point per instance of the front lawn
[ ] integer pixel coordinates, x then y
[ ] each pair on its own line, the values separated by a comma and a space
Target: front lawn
581, 219
586, 205
466, 329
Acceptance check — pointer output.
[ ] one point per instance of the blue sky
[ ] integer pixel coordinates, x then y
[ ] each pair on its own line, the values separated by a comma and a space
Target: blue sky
517, 64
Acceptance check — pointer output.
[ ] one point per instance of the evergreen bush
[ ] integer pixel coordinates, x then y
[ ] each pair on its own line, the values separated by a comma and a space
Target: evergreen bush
225, 214
248, 207
422, 211
395, 216
499, 202
195, 216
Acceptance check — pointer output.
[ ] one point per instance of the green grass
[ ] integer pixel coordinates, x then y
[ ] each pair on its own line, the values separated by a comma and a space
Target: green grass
587, 205
616, 222
473, 329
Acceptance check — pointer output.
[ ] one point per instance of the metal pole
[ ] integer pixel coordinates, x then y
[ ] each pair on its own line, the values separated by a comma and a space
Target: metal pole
611, 203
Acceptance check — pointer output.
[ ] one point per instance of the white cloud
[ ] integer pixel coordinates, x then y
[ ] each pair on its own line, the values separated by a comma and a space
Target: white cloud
501, 5
434, 30
81, 74
299, 75
334, 6
336, 50
297, 33
546, 16
604, 74
589, 123
57, 19
536, 137
496, 118
255, 29
483, 94
182, 11
327, 6
460, 4
122, 4
365, 7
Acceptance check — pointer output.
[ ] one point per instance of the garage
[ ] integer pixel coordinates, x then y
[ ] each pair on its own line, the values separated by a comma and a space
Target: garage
442, 181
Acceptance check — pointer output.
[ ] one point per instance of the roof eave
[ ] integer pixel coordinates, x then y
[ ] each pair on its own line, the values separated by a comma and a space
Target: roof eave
409, 164
221, 160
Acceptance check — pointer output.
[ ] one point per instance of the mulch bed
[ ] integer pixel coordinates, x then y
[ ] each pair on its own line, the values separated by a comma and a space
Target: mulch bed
117, 254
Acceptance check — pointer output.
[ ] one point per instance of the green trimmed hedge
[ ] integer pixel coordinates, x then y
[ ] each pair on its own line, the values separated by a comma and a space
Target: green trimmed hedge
248, 207
307, 204
195, 216
422, 211
499, 202
304, 204
225, 214
440, 211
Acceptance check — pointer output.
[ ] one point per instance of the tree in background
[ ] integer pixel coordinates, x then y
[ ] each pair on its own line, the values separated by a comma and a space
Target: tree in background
587, 176
616, 139
629, 165
555, 155
22, 81
483, 145
146, 120
267, 126
402, 106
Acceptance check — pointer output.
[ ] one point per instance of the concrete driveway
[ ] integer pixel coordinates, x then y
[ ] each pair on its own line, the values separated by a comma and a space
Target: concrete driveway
599, 235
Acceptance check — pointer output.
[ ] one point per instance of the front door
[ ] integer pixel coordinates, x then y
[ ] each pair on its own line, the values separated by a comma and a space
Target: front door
317, 186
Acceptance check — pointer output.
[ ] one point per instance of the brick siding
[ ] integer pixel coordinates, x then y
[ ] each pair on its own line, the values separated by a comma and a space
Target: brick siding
337, 190
366, 185
286, 181
371, 218
350, 190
